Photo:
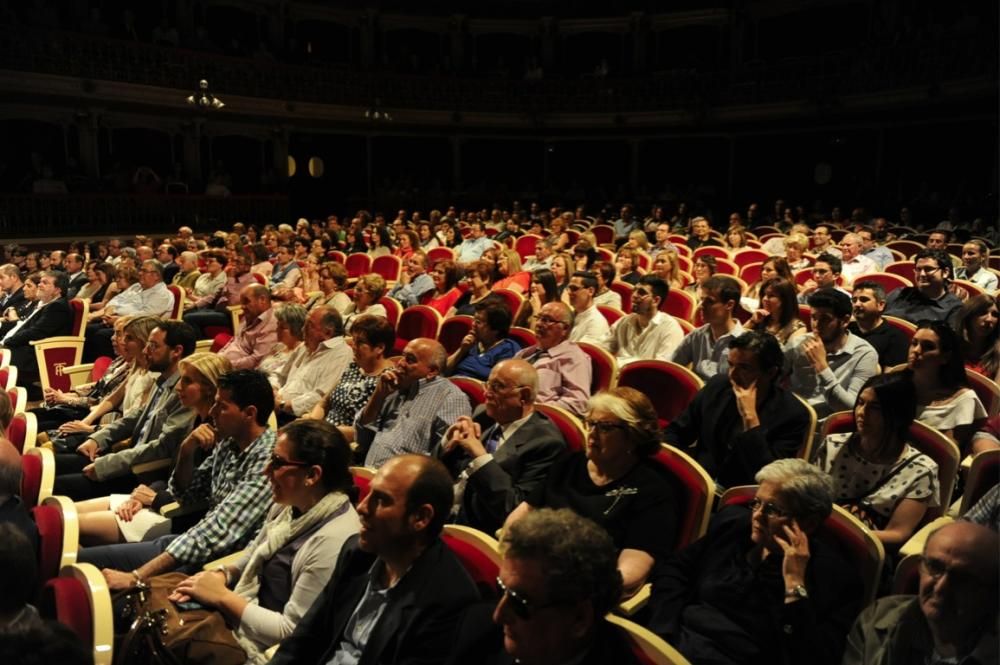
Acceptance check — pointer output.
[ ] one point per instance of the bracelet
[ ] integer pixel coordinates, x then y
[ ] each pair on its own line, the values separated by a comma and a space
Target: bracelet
135, 574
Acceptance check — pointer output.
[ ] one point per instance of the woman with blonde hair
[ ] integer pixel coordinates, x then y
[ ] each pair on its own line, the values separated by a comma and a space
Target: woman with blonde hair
667, 267
367, 293
796, 245
511, 275
638, 241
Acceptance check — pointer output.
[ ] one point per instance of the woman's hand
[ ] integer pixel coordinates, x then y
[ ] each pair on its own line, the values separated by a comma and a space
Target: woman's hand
795, 546
758, 317
208, 588
144, 494
128, 510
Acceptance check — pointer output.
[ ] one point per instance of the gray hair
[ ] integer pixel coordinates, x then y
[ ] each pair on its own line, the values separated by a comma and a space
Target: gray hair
10, 270
292, 315
805, 489
155, 265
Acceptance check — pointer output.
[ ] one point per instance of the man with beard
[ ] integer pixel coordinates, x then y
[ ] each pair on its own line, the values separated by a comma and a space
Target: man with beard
891, 343
646, 333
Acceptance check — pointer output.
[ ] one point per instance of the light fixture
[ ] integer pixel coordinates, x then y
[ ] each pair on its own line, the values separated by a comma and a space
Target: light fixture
204, 99
376, 113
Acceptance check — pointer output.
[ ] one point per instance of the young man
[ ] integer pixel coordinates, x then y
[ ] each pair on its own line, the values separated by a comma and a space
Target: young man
705, 348
823, 241
930, 297
824, 276
891, 343
646, 333
589, 325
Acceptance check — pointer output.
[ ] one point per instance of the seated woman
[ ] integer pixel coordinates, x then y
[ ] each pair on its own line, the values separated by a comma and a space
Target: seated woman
760, 587
703, 268
446, 292
381, 243
773, 267
290, 321
125, 276
584, 256
487, 342
779, 311
407, 242
979, 331
604, 271
479, 275
637, 241
557, 231
543, 290
99, 276
628, 266
371, 339
562, 270
131, 518
944, 400
266, 593
796, 245
511, 275
426, 235
880, 478
23, 311
367, 293
667, 267
735, 239
615, 484
332, 281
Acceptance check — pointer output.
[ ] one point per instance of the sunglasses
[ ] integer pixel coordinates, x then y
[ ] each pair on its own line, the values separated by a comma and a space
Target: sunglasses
276, 463
520, 605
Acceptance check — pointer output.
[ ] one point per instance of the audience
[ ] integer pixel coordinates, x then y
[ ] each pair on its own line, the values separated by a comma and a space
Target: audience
853, 262
368, 291
976, 325
486, 344
414, 282
778, 313
705, 348
825, 274
213, 311
51, 317
13, 512
589, 325
975, 257
315, 366
150, 297
445, 293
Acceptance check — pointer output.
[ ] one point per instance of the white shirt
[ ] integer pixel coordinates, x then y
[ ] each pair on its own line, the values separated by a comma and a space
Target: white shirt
308, 377
589, 326
157, 300
859, 265
657, 341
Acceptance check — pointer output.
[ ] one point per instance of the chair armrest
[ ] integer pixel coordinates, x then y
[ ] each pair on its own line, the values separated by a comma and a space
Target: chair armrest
174, 510
228, 560
151, 467
203, 345
78, 374
630, 606
915, 545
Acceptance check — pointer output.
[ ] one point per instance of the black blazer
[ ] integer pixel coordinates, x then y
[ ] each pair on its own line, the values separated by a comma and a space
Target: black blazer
76, 284
54, 319
418, 625
21, 305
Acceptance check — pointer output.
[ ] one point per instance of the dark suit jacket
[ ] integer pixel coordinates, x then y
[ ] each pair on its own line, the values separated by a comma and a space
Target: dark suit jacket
20, 304
54, 319
76, 284
418, 625
729, 454
517, 468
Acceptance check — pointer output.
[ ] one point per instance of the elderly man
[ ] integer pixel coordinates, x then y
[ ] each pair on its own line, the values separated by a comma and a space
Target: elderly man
853, 263
953, 617
414, 282
208, 287
398, 592
50, 318
187, 273
166, 254
705, 348
472, 248
230, 481
760, 587
499, 464
315, 367
564, 370
589, 325
930, 298
542, 257
258, 334
73, 263
412, 406
646, 333
701, 234
870, 248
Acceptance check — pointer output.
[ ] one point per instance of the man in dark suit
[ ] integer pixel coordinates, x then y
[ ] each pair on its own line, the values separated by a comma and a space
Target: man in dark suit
76, 274
51, 317
13, 305
504, 452
397, 592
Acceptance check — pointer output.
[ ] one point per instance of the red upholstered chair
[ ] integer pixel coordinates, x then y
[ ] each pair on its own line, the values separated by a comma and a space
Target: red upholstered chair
474, 389
887, 280
525, 245
479, 554
983, 475
514, 300
81, 308
569, 425
684, 261
908, 328
52, 354
392, 309
745, 257
357, 265
805, 315
802, 276
177, 311
22, 431
8, 377
417, 321
906, 247
679, 304
605, 234
453, 329
4, 357
362, 476
972, 289
624, 291
58, 535
643, 261
260, 278
986, 389
697, 493
647, 647
38, 473
440, 254
711, 250
605, 367
219, 341
389, 267
336, 255
79, 599
610, 314
18, 397
903, 269
522, 336
669, 386
750, 273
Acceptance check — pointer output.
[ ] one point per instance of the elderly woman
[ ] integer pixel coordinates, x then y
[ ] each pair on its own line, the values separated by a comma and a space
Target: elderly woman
486, 344
628, 266
121, 518
616, 484
266, 593
367, 293
605, 272
290, 321
796, 245
371, 339
887, 484
332, 281
511, 275
446, 292
778, 313
977, 326
479, 276
759, 587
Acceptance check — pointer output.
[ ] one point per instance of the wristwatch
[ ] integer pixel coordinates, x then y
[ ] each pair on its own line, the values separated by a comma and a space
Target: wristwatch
797, 591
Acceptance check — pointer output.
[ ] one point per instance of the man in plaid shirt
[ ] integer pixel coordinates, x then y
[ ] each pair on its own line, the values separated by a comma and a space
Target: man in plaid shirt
229, 481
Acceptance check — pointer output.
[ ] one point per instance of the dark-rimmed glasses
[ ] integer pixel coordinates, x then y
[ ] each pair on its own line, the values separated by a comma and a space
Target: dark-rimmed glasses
768, 508
276, 463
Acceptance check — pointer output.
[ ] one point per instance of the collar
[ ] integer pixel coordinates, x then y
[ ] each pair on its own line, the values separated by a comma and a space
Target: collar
507, 431
560, 348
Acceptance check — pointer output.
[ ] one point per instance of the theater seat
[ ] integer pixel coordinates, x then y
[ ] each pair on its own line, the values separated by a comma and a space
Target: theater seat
479, 554
79, 599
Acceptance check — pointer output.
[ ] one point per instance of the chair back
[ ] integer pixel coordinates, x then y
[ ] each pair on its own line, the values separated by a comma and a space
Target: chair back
983, 476
604, 374
18, 397
908, 328
436, 254
362, 476
685, 325
986, 389
514, 300
604, 234
805, 316
610, 314
697, 491
358, 264
805, 450
523, 336
58, 535
711, 250
679, 304
38, 473
887, 280
745, 257
100, 368
525, 245
8, 377
336, 255
647, 647
80, 600
624, 291
393, 309
388, 266
906, 247
904, 269
651, 377
453, 330
80, 308
571, 428
474, 389
479, 555
417, 321
177, 309
22, 431
52, 354
750, 273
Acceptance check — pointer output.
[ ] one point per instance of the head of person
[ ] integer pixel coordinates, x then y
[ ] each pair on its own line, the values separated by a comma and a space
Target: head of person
932, 269
416, 264
821, 236
423, 358
621, 425
150, 273
215, 262
938, 239
850, 246
255, 300
492, 320
311, 459
977, 321
935, 350
6, 416
649, 292
562, 268
559, 577
755, 358
831, 314
371, 339
867, 302
662, 233
700, 228
637, 240
31, 285
73, 263
667, 266
333, 277
290, 322
719, 297
52, 284
409, 500
790, 491
582, 288
477, 230
199, 380
135, 333
958, 579
605, 273
775, 266
445, 275
584, 255
796, 245
369, 290
509, 262
867, 236
778, 297
543, 249
244, 400
168, 343
626, 261
553, 324
10, 278
511, 390
826, 270
884, 410
736, 237
188, 261
323, 322
704, 267
975, 254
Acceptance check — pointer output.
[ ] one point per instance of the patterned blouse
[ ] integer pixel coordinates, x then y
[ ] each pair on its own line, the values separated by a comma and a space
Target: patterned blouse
350, 395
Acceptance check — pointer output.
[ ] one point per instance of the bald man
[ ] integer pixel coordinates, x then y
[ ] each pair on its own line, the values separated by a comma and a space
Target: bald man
953, 617
412, 406
502, 454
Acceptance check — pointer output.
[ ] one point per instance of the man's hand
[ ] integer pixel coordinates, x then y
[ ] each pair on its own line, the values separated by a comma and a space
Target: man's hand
88, 449
90, 472
815, 352
746, 404
467, 435
118, 580
810, 286
388, 381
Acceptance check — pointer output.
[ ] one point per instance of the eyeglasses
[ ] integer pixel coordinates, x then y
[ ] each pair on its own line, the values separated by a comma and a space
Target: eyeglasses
276, 463
769, 509
640, 293
602, 427
936, 569
925, 269
548, 319
573, 288
519, 604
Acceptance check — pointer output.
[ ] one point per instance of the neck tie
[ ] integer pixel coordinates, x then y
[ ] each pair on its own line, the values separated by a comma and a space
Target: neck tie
492, 442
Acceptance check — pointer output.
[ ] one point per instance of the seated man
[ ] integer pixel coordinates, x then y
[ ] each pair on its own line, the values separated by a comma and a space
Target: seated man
472, 248
646, 333
414, 282
315, 367
214, 312
230, 481
412, 406
829, 365
150, 297
187, 273
705, 348
953, 617
929, 298
398, 591
889, 342
825, 273
258, 334
564, 370
853, 262
589, 325
50, 318
286, 274
740, 422
504, 453
759, 587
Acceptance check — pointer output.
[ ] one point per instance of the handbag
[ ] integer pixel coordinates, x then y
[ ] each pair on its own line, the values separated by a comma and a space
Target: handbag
861, 508
154, 631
